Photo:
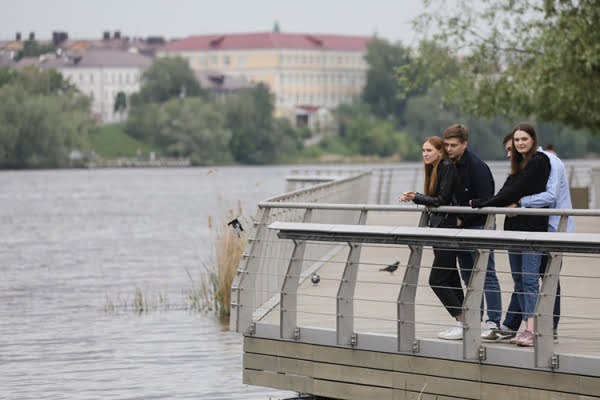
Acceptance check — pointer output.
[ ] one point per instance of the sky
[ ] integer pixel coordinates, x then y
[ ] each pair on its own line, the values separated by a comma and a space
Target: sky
87, 19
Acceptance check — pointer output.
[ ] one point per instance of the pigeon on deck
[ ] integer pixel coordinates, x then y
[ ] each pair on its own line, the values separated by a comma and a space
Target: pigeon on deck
391, 267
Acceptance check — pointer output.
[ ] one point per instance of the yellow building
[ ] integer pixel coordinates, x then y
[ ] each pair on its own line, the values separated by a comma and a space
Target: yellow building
303, 71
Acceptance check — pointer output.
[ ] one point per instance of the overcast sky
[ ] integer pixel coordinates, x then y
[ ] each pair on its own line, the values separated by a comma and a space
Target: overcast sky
87, 19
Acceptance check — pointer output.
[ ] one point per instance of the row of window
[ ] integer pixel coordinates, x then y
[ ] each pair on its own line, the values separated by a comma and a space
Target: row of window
321, 59
320, 98
351, 79
298, 59
81, 78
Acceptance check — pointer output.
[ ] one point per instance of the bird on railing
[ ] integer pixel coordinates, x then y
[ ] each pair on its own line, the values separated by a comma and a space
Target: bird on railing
391, 268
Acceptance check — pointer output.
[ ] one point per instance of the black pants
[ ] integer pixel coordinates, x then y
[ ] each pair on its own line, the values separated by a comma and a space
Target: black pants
444, 279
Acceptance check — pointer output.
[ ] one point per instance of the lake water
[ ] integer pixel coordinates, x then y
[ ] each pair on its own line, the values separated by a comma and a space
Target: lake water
73, 242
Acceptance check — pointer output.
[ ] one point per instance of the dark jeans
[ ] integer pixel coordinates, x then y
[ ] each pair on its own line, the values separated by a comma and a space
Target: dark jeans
514, 316
444, 279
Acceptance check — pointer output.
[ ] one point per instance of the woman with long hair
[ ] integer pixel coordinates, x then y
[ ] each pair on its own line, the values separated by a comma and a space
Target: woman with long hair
529, 172
440, 179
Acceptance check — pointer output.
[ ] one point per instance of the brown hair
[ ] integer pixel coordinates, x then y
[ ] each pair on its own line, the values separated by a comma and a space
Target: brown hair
431, 169
457, 131
517, 160
508, 138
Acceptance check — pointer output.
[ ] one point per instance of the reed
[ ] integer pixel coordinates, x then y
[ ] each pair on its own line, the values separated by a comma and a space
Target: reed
229, 246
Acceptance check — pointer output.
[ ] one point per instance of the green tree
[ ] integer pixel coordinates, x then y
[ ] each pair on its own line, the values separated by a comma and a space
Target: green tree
249, 116
523, 57
42, 119
381, 89
193, 128
120, 102
167, 78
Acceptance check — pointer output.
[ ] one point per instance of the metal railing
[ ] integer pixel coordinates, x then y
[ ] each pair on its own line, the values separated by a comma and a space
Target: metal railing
316, 322
256, 286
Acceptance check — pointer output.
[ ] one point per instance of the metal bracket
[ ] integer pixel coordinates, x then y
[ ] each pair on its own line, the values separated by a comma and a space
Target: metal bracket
252, 329
297, 333
554, 361
415, 348
354, 339
482, 353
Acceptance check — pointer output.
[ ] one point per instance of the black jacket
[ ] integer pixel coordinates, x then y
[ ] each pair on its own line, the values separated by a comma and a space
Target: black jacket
531, 180
444, 189
475, 181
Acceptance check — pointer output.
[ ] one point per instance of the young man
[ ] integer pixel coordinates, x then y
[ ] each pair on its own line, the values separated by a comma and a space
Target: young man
557, 195
475, 181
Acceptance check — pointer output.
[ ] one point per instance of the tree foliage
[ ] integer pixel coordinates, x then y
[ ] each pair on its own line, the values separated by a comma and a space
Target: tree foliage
522, 58
42, 119
258, 138
167, 78
31, 48
381, 89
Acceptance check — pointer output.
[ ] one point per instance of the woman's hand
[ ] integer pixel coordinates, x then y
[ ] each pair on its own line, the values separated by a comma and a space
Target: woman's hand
407, 196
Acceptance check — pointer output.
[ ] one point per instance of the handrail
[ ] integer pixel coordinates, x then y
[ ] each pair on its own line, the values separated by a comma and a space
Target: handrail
444, 209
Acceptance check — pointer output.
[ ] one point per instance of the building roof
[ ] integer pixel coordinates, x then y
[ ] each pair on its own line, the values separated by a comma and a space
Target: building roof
90, 58
269, 40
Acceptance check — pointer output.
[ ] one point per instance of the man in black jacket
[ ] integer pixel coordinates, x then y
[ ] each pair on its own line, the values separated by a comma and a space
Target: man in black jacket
475, 180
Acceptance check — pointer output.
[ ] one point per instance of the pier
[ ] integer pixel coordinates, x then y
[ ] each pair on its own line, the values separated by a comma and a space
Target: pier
364, 333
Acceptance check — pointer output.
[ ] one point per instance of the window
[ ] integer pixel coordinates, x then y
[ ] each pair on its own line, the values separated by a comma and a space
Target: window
91, 78
281, 59
242, 60
214, 60
226, 60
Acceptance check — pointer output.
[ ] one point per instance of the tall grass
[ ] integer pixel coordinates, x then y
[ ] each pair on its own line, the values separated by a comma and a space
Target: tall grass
215, 285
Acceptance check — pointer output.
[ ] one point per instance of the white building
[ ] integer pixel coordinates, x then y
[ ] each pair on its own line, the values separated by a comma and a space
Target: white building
100, 74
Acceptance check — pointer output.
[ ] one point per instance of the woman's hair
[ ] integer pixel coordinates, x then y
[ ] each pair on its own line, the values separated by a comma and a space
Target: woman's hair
518, 161
431, 169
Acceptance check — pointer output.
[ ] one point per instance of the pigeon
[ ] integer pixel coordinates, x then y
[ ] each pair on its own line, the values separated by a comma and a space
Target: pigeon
391, 267
315, 279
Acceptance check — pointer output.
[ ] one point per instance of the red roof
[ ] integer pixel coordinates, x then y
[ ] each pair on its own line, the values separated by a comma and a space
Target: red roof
269, 40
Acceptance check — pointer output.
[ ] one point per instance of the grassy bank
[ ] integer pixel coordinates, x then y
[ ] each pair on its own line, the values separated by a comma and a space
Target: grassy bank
111, 141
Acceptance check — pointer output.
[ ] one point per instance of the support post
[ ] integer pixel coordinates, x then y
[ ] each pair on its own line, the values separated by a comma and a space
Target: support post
544, 312
472, 307
288, 316
406, 300
345, 294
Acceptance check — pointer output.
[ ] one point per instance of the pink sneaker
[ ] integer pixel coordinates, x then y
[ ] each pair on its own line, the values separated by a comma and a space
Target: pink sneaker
526, 339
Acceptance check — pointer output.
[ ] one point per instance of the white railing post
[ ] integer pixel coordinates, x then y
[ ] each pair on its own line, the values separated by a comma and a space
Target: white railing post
472, 307
406, 300
345, 294
289, 294
544, 312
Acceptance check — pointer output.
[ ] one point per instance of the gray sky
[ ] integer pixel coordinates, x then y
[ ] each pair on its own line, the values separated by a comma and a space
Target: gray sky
87, 19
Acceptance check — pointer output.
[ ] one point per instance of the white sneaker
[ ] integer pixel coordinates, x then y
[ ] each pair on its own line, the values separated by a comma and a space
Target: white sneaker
489, 327
454, 333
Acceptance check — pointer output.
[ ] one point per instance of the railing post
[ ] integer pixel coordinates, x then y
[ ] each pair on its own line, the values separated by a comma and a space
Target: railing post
472, 306
244, 282
406, 300
544, 312
288, 316
345, 294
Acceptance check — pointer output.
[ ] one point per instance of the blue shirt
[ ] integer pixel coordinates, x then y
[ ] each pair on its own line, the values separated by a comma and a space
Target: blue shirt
557, 194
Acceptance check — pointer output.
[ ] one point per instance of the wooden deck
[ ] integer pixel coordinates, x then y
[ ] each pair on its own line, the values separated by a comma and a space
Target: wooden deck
350, 373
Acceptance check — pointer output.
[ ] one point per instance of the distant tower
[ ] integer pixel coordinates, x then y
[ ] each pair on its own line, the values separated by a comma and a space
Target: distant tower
276, 27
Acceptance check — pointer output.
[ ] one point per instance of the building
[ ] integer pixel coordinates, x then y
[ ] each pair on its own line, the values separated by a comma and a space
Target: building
99, 73
309, 70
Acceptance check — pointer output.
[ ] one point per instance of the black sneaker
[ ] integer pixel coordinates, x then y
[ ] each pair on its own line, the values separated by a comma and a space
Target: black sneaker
497, 335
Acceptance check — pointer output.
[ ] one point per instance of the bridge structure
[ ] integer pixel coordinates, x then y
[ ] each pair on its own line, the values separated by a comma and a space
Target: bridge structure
360, 332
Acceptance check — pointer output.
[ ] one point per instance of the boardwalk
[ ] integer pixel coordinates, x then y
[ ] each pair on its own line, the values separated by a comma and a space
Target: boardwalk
317, 305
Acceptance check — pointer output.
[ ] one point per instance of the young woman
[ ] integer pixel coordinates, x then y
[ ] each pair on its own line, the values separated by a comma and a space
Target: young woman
529, 174
440, 179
